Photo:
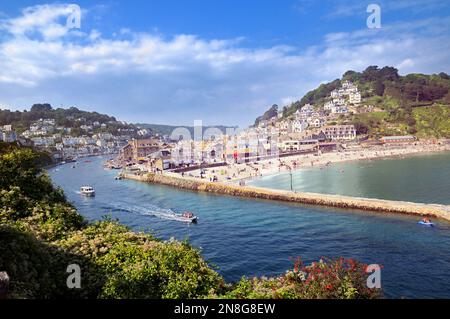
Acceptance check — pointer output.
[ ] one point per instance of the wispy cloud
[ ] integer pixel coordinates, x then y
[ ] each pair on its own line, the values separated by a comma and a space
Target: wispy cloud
148, 77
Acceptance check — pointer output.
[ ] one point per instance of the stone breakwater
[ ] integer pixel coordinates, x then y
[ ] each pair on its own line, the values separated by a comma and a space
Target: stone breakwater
337, 201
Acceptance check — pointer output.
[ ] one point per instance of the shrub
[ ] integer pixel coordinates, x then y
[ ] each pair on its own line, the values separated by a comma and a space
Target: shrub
327, 279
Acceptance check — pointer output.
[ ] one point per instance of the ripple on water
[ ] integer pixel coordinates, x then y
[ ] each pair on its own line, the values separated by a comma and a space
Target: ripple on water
256, 237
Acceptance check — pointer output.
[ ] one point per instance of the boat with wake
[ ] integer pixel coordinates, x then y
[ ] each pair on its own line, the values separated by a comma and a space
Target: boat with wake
187, 217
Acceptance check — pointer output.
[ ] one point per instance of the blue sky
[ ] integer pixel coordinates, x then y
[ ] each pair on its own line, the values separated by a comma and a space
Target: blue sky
224, 62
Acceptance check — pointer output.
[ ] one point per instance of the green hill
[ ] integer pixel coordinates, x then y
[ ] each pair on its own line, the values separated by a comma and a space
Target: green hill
416, 104
71, 117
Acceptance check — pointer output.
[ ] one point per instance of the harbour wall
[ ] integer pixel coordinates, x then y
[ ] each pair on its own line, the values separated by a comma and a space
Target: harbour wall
337, 201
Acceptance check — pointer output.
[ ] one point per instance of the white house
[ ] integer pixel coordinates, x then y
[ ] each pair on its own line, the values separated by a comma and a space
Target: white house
339, 101
299, 126
307, 109
328, 105
335, 94
355, 98
339, 109
316, 121
340, 132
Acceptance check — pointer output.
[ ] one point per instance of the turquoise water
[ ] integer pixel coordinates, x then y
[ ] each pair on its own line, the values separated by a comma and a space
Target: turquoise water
423, 179
252, 237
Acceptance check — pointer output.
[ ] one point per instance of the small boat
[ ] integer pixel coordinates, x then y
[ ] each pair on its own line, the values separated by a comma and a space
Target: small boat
423, 223
186, 217
87, 191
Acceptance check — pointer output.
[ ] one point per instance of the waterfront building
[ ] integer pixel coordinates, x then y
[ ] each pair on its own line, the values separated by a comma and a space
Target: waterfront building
137, 150
43, 141
398, 139
295, 145
340, 132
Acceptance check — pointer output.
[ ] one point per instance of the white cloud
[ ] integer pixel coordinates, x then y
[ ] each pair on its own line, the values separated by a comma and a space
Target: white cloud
147, 77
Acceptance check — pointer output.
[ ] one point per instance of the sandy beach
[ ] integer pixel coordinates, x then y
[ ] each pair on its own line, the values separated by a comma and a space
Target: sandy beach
245, 171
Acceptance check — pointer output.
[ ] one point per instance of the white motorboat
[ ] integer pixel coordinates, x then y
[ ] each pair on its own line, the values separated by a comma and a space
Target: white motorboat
87, 191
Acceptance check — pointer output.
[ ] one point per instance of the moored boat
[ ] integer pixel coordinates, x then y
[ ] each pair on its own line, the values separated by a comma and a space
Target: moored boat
426, 222
429, 224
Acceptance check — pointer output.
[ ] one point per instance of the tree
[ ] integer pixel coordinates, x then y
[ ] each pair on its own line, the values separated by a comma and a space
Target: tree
444, 76
388, 73
36, 108
378, 87
370, 74
272, 112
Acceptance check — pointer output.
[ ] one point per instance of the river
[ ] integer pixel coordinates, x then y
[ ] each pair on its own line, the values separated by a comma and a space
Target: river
255, 237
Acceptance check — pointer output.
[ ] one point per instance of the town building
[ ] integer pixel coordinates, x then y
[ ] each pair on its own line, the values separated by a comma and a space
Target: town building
316, 121
355, 98
138, 150
398, 139
340, 132
7, 134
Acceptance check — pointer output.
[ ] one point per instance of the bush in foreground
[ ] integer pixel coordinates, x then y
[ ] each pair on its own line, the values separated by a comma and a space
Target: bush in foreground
327, 279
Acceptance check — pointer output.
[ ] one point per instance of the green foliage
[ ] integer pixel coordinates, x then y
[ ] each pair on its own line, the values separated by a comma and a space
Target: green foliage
433, 121
21, 121
18, 168
270, 113
327, 279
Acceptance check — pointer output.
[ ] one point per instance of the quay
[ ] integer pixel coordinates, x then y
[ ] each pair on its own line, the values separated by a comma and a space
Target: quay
337, 201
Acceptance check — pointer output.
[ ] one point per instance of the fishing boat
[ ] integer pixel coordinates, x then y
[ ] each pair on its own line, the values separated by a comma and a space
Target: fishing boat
87, 191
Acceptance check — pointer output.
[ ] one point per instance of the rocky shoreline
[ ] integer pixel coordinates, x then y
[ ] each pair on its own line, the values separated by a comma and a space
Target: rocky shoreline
337, 201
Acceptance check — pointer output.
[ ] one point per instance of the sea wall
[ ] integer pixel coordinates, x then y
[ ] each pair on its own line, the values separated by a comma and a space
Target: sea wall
338, 201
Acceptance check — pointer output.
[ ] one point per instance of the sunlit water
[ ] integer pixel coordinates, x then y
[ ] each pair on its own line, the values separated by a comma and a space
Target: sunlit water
424, 179
252, 237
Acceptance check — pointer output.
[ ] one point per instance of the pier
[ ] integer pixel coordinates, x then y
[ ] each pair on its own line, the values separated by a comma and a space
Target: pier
337, 201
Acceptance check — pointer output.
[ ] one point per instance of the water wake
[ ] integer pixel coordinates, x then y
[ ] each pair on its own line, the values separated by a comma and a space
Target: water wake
148, 210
